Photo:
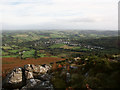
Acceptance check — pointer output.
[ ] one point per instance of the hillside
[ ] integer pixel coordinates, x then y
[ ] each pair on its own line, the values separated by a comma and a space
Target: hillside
78, 59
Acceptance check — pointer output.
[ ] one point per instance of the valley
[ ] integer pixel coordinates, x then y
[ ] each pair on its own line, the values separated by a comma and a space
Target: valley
89, 56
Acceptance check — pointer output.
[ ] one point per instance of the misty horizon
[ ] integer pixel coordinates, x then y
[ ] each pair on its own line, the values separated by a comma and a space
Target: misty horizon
59, 14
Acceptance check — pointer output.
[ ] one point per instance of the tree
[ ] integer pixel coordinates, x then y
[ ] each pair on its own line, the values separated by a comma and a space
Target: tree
35, 54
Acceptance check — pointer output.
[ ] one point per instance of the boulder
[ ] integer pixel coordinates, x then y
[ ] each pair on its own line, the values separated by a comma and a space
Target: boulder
43, 70
67, 77
73, 66
31, 71
35, 84
45, 85
28, 75
35, 68
44, 77
48, 67
31, 84
14, 79
28, 68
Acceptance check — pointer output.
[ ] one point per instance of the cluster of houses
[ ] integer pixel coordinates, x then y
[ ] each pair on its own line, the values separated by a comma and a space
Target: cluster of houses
70, 43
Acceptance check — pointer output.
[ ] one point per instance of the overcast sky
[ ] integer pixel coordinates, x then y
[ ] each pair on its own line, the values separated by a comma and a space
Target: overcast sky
59, 14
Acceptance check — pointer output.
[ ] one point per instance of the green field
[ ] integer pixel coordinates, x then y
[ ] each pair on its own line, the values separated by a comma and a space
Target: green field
56, 46
27, 54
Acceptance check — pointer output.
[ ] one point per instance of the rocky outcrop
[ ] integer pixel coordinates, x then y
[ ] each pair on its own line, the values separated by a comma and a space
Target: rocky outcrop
45, 85
31, 76
30, 84
15, 79
44, 77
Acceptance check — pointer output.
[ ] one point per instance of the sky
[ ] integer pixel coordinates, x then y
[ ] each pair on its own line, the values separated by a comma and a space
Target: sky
59, 14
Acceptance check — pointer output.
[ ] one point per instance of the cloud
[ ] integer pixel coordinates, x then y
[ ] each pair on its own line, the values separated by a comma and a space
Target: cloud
89, 20
80, 14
